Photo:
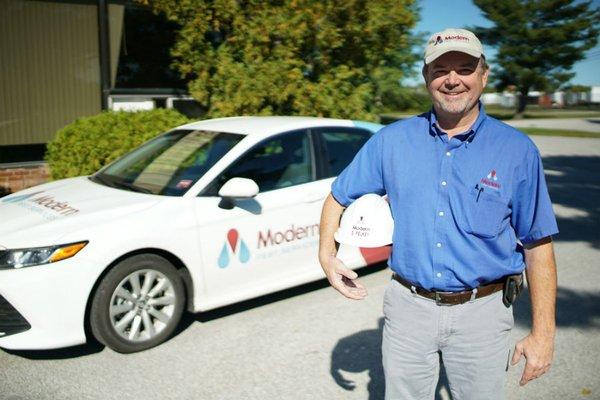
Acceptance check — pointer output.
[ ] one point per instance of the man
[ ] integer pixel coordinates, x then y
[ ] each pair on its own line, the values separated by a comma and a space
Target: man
471, 209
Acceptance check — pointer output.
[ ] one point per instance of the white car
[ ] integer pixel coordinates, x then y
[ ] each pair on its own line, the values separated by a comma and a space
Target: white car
208, 214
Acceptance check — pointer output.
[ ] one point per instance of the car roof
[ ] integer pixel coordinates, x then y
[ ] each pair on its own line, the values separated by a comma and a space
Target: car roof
265, 126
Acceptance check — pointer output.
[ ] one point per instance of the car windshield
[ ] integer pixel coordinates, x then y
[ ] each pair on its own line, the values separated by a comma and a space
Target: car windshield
169, 164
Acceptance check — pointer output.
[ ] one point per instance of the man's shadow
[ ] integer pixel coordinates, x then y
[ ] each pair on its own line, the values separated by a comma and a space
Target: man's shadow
362, 352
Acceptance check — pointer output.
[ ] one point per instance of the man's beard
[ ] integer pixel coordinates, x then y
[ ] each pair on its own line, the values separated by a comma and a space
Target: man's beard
458, 106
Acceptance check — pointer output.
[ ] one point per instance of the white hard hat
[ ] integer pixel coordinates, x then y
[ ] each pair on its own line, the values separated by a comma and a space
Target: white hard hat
366, 223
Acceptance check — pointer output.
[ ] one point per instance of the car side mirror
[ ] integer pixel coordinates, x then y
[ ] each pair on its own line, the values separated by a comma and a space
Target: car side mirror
239, 188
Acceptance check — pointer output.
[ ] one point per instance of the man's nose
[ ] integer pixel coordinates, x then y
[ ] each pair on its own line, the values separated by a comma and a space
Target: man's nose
452, 79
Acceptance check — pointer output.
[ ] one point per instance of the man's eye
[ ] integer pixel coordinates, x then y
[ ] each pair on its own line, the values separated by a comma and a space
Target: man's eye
465, 71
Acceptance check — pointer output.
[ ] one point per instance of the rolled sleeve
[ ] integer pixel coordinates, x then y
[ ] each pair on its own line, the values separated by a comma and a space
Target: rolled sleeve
532, 217
363, 175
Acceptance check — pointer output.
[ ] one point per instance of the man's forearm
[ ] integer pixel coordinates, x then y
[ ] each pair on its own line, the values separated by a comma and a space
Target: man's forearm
541, 279
339, 276
330, 221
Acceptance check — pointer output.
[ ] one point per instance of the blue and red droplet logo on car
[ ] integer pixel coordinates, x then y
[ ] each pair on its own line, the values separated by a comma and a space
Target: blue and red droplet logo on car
234, 246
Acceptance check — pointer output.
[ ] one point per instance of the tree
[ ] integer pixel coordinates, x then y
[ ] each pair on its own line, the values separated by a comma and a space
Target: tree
286, 57
538, 41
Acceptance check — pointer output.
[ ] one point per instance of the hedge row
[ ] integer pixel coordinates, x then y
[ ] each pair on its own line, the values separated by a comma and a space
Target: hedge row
89, 143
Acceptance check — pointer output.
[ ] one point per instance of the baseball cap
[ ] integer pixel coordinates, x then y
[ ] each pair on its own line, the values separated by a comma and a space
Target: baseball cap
452, 40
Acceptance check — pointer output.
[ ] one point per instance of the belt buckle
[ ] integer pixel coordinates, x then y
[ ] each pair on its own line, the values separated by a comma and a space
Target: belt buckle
438, 298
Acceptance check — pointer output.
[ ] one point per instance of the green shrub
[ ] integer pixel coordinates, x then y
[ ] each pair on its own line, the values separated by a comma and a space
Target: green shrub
406, 99
89, 143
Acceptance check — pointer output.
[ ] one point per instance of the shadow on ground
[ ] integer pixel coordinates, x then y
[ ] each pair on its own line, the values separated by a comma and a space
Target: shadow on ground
83, 350
577, 186
574, 309
362, 352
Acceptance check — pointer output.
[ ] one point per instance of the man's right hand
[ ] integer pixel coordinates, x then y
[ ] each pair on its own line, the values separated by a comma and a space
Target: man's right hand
342, 278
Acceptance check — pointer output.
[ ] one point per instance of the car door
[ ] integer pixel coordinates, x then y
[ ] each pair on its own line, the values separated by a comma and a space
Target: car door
268, 242
337, 147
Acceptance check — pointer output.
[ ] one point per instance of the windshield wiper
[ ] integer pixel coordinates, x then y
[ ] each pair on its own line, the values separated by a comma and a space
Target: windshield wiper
120, 184
132, 187
98, 178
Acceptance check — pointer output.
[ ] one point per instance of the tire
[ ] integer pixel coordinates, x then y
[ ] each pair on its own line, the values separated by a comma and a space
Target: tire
128, 316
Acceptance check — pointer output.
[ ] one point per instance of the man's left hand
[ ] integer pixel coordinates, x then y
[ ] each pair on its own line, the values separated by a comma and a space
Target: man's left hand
538, 352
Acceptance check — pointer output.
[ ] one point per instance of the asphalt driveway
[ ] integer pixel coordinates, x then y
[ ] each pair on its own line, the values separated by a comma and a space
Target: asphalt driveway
575, 124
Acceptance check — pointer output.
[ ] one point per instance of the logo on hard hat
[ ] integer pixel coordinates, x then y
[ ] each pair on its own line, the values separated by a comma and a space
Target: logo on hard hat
360, 230
367, 222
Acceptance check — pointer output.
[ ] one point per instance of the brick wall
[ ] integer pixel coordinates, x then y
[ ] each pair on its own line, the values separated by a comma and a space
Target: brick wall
13, 179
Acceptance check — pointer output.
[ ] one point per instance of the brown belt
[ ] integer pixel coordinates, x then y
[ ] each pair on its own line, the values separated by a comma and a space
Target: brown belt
452, 298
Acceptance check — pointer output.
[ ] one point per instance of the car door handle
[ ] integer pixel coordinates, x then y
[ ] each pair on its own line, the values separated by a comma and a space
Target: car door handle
314, 197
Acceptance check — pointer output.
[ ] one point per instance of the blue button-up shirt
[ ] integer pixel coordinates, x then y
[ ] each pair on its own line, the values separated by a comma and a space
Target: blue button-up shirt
460, 205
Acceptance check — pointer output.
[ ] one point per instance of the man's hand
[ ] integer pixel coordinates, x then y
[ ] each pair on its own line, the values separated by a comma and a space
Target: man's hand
343, 279
538, 347
538, 353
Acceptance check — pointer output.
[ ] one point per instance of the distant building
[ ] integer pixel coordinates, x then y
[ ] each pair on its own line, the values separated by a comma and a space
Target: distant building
66, 59
595, 94
555, 99
505, 99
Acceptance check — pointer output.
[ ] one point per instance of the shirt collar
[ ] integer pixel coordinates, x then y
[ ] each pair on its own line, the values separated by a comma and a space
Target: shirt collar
468, 135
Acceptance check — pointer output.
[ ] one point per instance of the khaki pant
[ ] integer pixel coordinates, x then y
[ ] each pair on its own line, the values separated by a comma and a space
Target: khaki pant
473, 339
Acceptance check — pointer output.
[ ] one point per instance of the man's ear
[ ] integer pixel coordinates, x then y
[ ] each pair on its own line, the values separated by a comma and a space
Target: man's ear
486, 74
424, 72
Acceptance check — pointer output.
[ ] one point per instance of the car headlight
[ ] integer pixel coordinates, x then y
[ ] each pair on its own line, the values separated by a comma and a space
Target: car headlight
19, 258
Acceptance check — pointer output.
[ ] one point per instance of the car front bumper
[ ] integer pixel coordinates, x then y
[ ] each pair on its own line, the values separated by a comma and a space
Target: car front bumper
51, 299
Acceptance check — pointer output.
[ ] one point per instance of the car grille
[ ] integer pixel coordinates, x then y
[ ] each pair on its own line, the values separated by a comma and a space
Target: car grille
11, 321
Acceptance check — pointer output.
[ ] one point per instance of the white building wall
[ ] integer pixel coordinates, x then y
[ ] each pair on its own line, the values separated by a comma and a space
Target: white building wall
595, 94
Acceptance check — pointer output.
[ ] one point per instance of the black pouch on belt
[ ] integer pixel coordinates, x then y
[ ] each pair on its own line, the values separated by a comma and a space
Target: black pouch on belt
513, 287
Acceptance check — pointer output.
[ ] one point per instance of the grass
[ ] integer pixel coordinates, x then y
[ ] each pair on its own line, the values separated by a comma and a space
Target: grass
509, 113
536, 112
391, 117
559, 132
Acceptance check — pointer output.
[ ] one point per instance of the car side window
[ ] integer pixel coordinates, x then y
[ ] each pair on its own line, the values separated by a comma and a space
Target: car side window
283, 161
341, 145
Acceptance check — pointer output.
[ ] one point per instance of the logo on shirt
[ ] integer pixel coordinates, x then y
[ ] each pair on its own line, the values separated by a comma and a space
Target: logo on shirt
491, 180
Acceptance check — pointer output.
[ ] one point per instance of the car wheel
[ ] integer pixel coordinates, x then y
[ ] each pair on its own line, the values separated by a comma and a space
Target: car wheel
138, 304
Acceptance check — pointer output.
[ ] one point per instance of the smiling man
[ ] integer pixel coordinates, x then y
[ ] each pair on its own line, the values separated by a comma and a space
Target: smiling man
471, 212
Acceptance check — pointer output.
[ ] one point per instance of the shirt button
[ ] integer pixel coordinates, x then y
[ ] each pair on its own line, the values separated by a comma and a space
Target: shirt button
443, 183
441, 213
438, 244
448, 153
439, 274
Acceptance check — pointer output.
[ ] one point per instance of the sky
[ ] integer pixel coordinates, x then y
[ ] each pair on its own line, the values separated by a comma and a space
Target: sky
437, 15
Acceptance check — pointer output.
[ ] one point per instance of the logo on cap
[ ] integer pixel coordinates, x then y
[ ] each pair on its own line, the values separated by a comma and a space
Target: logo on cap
438, 40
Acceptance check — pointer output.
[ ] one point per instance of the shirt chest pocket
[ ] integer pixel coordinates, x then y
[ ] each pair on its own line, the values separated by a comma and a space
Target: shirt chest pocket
484, 213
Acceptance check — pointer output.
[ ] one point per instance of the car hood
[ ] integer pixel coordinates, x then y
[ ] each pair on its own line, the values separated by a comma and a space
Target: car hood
41, 215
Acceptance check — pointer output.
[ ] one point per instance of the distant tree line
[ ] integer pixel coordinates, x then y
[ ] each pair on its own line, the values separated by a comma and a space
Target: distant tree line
538, 41
289, 57
347, 58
